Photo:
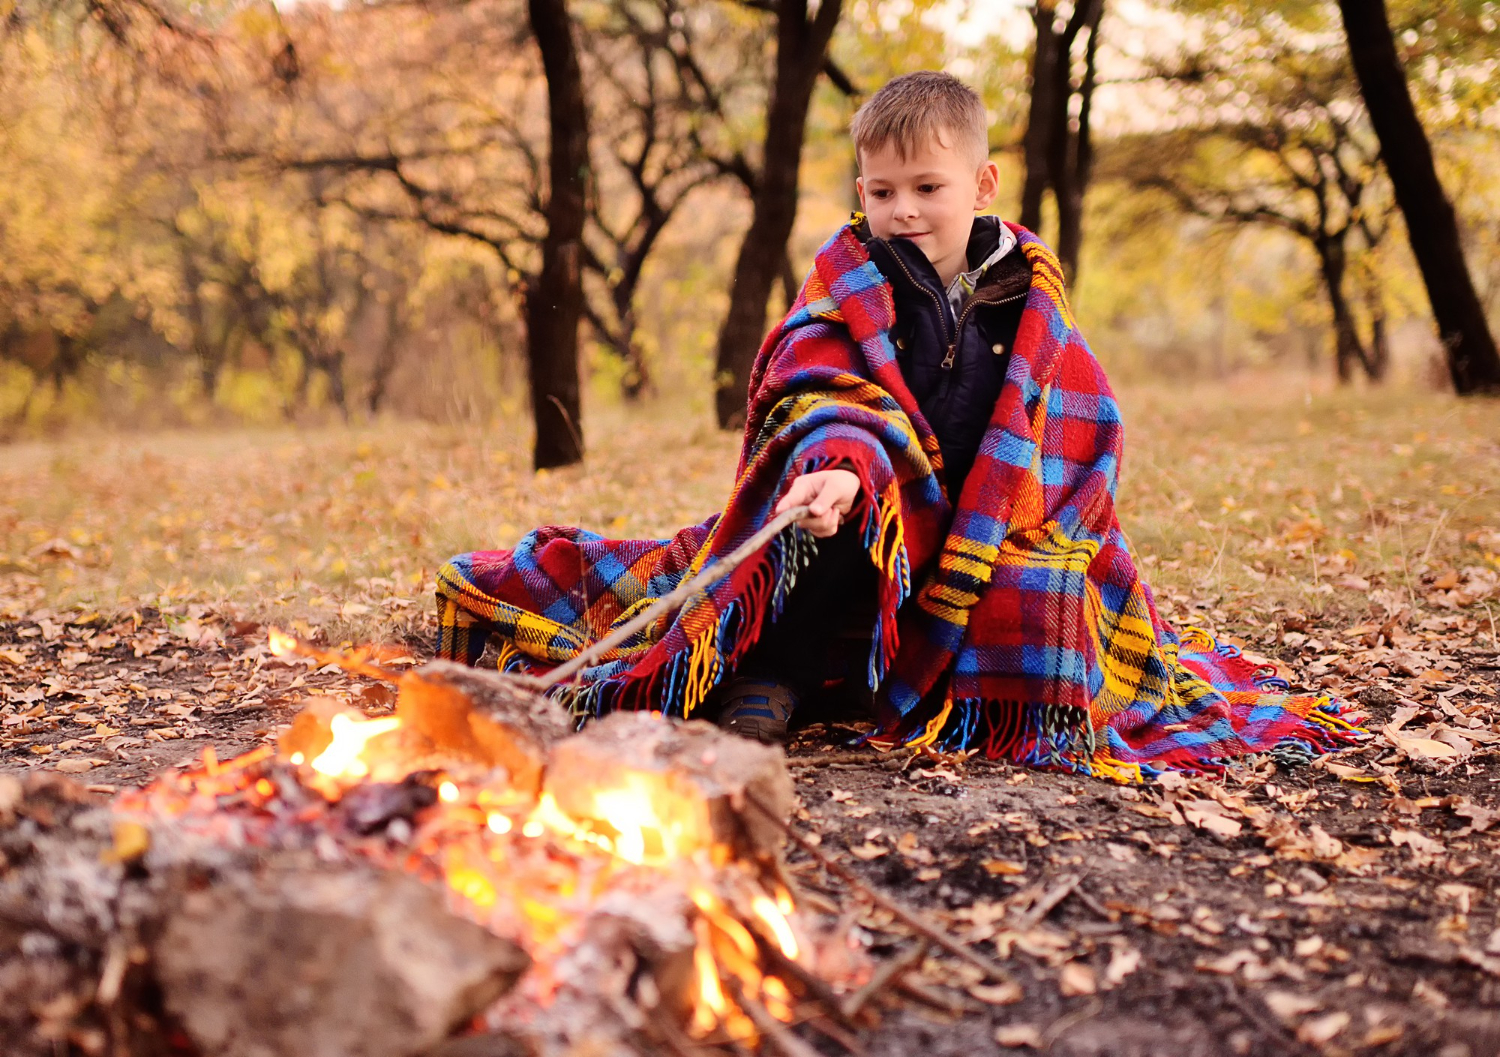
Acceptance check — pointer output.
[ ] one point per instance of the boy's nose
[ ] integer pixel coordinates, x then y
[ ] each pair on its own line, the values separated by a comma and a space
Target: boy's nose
905, 209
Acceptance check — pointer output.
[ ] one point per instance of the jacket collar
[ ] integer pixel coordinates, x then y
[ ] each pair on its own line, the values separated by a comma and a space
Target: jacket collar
903, 264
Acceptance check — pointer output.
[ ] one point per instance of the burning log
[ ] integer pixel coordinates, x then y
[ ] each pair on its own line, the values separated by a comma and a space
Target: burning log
688, 780
446, 713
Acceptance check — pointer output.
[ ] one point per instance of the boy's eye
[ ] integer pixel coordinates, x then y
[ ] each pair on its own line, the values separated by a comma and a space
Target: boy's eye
928, 189
881, 193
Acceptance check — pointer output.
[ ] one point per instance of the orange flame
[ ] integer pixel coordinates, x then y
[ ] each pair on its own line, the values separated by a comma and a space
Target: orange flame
280, 643
776, 921
350, 736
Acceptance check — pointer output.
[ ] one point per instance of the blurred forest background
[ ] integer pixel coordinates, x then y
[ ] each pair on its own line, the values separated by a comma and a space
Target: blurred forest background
505, 212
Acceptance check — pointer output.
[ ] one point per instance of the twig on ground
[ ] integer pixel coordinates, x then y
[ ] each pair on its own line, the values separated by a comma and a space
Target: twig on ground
775, 1031
948, 1003
1083, 896
666, 603
910, 918
883, 977
1062, 1024
839, 1035
1047, 901
816, 986
834, 759
1267, 1024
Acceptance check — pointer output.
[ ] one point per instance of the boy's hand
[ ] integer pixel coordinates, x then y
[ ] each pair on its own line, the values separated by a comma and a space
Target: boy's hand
828, 494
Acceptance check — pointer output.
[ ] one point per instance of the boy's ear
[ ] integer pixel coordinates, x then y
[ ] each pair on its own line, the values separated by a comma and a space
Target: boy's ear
989, 185
859, 189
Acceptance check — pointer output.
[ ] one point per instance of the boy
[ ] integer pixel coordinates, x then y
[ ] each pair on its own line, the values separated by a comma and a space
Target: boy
922, 144
931, 401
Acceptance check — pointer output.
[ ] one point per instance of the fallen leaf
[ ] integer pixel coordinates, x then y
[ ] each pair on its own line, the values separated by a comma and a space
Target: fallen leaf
1015, 1036
1122, 963
1480, 818
77, 765
868, 851
1417, 842
1288, 1006
1323, 1029
1076, 979
1209, 815
1005, 994
1324, 846
1421, 748
1003, 867
1230, 963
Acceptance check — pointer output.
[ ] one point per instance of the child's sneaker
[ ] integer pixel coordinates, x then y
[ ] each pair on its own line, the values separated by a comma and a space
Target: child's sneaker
757, 708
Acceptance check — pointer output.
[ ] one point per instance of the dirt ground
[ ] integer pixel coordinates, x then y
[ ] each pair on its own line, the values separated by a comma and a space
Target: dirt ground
1343, 907
1352, 539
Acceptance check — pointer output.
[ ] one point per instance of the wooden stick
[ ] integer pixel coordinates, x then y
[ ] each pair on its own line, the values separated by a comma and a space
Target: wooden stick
1047, 901
774, 1030
816, 987
839, 1035
950, 1004
910, 918
883, 978
666, 603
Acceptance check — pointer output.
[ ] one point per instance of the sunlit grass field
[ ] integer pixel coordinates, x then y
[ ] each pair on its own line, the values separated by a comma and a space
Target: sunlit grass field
1240, 499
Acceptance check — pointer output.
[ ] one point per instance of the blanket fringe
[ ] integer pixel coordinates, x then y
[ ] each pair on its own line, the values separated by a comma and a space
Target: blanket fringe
1063, 739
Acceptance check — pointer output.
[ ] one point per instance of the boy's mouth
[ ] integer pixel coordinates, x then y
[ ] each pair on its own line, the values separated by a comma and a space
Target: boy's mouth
911, 234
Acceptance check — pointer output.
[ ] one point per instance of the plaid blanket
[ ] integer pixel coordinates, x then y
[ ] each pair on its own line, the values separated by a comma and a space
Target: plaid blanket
1030, 633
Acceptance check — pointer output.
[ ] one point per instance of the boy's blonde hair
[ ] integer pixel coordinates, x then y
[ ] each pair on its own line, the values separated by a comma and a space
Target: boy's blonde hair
917, 108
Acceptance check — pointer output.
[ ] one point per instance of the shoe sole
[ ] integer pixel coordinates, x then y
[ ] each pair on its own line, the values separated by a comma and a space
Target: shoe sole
765, 731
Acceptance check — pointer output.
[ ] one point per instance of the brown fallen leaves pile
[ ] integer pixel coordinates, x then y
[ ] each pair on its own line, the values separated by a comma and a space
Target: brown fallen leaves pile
1353, 543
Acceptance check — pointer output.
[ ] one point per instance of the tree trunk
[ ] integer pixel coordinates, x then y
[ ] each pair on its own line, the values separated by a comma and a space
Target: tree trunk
385, 360
1071, 177
1348, 351
554, 303
1431, 225
1041, 115
1380, 346
801, 45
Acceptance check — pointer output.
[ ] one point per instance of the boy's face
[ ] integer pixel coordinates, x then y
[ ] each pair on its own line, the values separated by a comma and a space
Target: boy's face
930, 197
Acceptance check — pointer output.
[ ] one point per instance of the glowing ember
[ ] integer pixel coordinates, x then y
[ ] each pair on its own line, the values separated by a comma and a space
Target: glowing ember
281, 644
639, 831
350, 736
447, 792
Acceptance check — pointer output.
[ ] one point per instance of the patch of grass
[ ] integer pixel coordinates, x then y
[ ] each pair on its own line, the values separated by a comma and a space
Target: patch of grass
1240, 501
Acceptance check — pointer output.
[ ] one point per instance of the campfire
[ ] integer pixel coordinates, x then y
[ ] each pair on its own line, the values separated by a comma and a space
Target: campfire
626, 881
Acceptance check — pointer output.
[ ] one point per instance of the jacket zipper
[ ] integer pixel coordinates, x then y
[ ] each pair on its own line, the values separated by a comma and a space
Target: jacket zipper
959, 328
936, 300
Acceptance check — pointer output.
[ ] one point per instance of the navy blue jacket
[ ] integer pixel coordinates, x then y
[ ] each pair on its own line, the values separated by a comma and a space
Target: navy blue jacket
954, 366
